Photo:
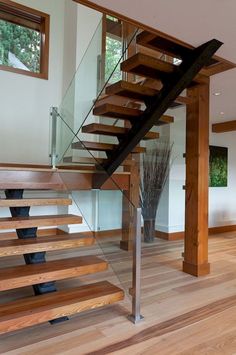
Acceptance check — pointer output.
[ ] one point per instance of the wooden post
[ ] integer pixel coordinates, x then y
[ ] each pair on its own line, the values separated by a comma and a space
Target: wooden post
128, 227
197, 167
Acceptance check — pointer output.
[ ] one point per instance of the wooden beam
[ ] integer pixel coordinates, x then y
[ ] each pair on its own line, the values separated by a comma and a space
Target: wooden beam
228, 126
197, 167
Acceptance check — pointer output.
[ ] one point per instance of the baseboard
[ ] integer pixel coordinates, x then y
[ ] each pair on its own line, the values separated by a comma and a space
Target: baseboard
170, 236
108, 233
118, 232
180, 235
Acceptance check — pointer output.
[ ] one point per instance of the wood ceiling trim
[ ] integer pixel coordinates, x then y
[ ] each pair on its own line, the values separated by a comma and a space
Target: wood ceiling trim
223, 127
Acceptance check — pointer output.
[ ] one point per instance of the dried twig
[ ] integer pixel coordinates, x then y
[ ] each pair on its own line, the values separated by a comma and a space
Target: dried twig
155, 166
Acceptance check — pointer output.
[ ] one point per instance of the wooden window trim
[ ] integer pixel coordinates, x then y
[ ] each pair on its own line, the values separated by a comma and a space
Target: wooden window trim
36, 20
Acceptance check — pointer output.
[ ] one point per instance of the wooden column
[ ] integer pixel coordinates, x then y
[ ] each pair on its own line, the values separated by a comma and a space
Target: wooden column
128, 227
197, 166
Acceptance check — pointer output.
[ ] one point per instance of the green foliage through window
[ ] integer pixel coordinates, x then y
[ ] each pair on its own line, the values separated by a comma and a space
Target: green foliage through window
113, 55
19, 47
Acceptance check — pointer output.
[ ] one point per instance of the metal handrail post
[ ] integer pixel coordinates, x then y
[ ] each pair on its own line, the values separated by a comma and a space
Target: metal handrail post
136, 317
53, 155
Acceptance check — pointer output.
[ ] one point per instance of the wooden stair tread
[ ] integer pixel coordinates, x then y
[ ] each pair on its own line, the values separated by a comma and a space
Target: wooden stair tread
138, 92
44, 243
130, 90
25, 275
97, 128
107, 109
78, 160
165, 119
28, 202
38, 221
97, 146
165, 45
150, 67
35, 310
116, 111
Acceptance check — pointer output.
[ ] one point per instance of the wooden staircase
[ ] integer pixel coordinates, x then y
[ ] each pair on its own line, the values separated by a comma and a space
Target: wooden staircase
140, 105
50, 304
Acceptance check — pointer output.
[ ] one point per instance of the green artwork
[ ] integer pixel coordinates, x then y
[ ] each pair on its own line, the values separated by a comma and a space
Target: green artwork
218, 166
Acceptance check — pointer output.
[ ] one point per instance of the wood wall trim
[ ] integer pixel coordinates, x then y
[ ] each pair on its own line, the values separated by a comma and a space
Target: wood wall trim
170, 236
108, 233
222, 229
117, 233
222, 66
43, 25
223, 127
180, 235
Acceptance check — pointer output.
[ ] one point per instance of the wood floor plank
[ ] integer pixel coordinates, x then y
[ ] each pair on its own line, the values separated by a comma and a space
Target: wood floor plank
164, 306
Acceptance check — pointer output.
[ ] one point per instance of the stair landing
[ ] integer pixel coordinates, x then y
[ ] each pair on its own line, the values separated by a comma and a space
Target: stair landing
44, 177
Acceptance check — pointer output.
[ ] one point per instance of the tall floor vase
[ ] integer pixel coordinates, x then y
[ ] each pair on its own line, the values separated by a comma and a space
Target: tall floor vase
149, 230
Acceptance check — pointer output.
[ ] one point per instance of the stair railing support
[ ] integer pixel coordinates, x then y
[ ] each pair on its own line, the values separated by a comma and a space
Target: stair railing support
136, 317
53, 154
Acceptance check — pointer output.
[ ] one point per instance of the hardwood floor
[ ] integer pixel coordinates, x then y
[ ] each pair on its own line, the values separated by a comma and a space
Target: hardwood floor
183, 314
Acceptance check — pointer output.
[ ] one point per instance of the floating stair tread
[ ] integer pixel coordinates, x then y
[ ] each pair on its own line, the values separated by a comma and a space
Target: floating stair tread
79, 167
137, 91
116, 111
96, 146
107, 130
35, 202
165, 119
107, 109
150, 67
130, 90
165, 45
25, 275
38, 221
81, 160
44, 243
35, 310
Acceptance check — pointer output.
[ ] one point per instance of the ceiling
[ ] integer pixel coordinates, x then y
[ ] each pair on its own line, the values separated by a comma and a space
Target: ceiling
194, 22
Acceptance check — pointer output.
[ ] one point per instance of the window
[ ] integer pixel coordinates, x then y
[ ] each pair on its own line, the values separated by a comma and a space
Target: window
113, 32
24, 40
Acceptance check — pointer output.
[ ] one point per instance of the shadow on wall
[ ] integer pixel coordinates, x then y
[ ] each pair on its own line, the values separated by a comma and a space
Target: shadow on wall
221, 218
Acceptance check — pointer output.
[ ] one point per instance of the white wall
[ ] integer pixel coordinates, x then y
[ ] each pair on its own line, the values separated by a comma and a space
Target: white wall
170, 213
25, 101
222, 206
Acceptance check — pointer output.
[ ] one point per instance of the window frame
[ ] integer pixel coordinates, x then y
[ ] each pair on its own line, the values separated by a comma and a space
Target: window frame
33, 19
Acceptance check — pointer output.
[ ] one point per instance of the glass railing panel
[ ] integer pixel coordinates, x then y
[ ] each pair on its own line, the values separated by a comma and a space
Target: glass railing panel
107, 213
87, 88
